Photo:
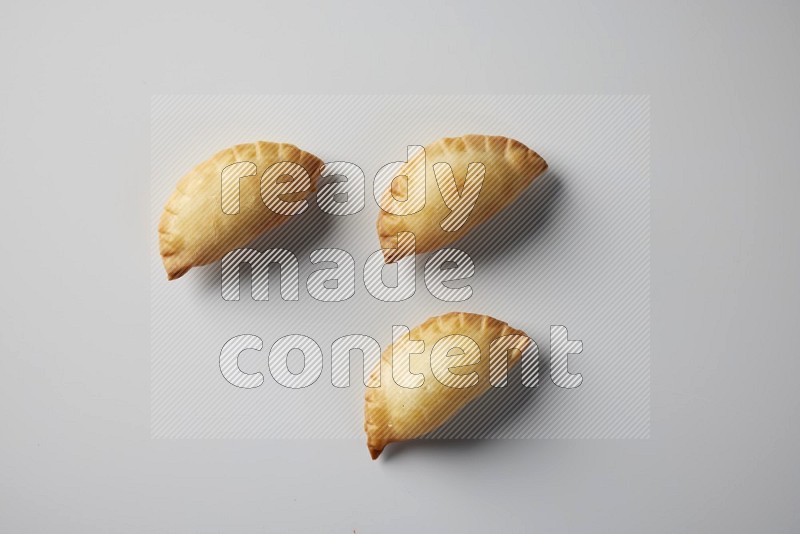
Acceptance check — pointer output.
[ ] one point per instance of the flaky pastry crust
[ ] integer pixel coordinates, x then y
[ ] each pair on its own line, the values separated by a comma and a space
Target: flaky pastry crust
510, 168
194, 230
395, 413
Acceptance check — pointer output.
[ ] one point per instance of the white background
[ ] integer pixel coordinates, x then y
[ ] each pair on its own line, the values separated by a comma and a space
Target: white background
76, 453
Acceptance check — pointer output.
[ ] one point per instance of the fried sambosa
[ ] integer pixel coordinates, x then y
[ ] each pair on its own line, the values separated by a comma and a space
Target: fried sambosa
232, 198
421, 387
467, 180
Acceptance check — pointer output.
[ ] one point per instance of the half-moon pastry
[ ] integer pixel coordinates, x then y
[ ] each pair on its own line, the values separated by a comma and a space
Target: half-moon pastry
232, 198
467, 180
422, 387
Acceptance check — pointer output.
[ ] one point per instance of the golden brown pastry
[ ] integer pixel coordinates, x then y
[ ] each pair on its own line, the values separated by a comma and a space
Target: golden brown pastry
224, 202
398, 411
449, 213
